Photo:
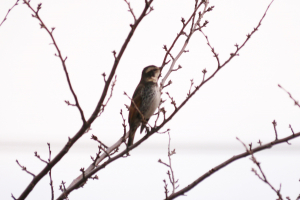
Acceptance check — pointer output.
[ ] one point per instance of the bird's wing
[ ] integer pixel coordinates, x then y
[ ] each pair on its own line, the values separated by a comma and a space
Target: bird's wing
133, 112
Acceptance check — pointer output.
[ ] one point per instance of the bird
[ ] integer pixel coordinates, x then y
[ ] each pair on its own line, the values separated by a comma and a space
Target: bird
146, 98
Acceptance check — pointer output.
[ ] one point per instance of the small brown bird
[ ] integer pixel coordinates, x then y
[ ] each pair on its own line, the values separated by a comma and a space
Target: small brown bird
146, 98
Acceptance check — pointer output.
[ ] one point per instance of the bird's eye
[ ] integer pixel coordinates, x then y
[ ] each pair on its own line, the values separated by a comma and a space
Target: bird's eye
151, 73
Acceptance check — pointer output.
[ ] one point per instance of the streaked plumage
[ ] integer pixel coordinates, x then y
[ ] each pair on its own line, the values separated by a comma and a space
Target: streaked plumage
146, 97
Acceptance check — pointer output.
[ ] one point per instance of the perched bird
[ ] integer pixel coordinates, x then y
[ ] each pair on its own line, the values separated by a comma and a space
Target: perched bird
146, 98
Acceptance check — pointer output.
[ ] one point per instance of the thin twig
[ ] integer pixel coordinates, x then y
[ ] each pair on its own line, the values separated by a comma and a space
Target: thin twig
135, 106
130, 10
274, 125
111, 93
170, 172
212, 49
25, 169
50, 173
296, 102
5, 18
38, 156
59, 54
262, 176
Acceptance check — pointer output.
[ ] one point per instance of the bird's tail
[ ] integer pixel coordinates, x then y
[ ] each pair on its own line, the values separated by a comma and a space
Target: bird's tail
131, 137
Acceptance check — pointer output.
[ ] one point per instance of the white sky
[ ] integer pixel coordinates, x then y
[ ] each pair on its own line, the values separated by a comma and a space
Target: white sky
240, 101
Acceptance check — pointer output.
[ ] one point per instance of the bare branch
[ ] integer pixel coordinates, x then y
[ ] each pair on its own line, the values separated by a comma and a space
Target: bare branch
170, 172
238, 48
94, 115
92, 169
124, 123
186, 41
262, 176
130, 10
25, 169
296, 102
50, 174
291, 129
227, 162
274, 125
5, 18
172, 100
212, 49
63, 60
111, 93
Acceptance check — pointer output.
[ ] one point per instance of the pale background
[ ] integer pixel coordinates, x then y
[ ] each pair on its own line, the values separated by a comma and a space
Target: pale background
241, 101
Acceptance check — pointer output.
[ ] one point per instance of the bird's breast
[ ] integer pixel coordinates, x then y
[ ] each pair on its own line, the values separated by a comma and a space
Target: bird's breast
150, 100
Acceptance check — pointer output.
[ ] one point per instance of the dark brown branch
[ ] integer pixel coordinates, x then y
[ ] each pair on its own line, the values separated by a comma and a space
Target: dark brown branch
86, 126
227, 162
5, 18
296, 102
63, 60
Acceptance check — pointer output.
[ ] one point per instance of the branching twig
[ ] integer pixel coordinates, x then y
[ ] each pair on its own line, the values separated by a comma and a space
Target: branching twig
38, 156
186, 41
296, 102
238, 48
111, 93
94, 115
130, 10
262, 176
212, 49
124, 122
5, 18
192, 83
227, 162
63, 60
50, 173
170, 172
96, 139
172, 100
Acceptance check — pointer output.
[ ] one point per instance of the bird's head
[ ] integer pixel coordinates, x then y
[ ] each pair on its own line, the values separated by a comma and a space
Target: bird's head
150, 74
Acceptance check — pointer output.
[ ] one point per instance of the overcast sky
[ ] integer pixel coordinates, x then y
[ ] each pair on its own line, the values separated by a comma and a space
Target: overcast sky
241, 101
